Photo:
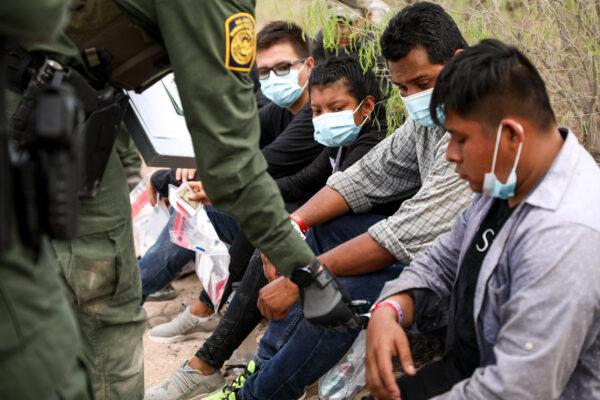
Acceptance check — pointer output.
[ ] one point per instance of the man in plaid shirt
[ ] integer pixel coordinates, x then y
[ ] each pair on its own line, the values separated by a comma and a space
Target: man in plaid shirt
362, 248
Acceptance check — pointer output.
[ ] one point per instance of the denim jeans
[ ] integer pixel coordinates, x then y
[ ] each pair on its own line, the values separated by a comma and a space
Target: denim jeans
294, 353
165, 260
243, 315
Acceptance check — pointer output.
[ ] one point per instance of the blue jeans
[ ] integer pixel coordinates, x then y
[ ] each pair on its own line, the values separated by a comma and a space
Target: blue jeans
165, 260
294, 353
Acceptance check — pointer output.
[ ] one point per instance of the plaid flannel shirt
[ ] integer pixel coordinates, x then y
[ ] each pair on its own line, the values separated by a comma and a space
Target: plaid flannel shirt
411, 159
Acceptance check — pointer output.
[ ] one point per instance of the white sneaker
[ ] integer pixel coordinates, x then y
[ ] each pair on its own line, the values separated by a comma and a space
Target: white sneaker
185, 326
184, 384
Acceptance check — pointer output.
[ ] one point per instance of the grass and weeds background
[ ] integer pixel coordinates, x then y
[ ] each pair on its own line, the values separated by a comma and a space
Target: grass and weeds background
561, 37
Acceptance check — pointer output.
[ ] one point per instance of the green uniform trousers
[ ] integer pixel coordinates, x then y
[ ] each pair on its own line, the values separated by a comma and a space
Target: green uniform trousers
40, 352
102, 276
130, 158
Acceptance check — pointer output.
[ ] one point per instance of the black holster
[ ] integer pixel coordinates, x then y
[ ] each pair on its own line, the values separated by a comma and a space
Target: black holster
100, 133
104, 109
45, 156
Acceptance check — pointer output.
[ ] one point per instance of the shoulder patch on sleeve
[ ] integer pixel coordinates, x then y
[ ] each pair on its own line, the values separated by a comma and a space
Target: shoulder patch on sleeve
240, 42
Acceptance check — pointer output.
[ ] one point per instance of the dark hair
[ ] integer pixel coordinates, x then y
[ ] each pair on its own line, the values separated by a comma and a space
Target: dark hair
424, 25
346, 69
491, 80
282, 32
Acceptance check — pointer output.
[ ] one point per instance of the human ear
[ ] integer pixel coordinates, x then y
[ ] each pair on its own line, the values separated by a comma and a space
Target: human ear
368, 106
516, 132
310, 63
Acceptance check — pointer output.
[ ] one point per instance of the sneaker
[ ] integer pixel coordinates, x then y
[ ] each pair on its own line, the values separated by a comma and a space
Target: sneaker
184, 326
184, 384
228, 392
164, 294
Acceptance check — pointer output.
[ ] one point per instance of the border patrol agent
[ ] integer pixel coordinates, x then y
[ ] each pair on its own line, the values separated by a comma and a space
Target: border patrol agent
40, 346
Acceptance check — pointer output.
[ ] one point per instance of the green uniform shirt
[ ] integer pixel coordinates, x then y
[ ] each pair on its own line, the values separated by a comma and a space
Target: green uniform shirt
32, 19
211, 45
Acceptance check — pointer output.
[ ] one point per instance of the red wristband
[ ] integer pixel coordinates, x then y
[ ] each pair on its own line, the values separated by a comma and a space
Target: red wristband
300, 223
393, 305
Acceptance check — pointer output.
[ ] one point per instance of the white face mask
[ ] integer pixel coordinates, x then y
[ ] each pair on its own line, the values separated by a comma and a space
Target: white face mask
284, 91
337, 128
417, 106
491, 185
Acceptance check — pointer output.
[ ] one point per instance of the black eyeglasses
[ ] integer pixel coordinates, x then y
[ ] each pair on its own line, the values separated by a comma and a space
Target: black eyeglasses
280, 69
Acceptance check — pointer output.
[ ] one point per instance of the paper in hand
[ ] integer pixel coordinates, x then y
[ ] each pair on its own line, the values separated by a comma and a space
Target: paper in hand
183, 201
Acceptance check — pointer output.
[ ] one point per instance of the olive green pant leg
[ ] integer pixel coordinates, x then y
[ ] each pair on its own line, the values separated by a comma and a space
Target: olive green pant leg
40, 351
102, 273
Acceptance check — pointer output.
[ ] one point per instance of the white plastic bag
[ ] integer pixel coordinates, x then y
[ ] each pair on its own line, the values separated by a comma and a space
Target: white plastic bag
347, 377
212, 261
148, 221
196, 233
213, 272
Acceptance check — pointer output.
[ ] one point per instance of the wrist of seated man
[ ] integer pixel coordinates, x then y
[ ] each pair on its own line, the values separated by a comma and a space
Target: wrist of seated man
299, 225
392, 304
300, 222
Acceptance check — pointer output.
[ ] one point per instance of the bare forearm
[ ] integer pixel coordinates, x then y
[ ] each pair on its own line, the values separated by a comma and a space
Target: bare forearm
360, 255
325, 205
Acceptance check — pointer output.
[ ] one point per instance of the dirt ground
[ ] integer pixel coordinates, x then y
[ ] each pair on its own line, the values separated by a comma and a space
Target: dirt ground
160, 359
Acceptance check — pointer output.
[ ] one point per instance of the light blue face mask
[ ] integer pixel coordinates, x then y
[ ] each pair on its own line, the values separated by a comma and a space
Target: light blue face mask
283, 90
491, 185
417, 106
337, 128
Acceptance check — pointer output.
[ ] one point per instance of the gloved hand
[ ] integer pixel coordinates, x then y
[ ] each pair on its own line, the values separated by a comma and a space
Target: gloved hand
324, 301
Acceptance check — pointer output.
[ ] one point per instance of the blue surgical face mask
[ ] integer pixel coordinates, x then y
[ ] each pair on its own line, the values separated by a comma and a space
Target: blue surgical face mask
337, 128
491, 185
417, 106
283, 90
